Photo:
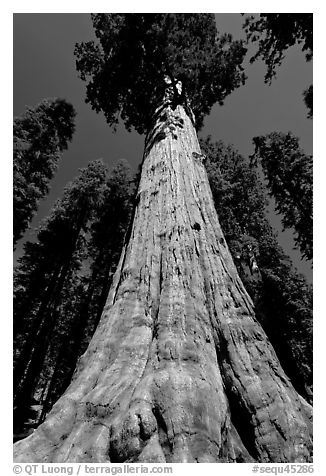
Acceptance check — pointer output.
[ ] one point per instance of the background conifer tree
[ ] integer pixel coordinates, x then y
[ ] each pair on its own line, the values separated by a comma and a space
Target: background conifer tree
41, 134
288, 171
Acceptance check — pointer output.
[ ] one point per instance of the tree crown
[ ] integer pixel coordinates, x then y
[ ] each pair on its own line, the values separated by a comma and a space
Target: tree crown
49, 124
125, 69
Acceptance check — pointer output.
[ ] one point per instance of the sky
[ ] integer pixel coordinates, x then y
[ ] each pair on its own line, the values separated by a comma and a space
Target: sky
44, 66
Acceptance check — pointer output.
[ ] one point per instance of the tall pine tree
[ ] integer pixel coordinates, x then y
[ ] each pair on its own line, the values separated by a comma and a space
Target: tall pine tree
41, 134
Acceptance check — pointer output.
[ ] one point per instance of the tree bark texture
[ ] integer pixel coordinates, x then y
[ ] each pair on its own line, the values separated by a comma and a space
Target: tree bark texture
178, 370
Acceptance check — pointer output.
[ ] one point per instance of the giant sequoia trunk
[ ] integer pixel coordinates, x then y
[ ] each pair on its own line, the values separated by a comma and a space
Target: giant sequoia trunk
178, 370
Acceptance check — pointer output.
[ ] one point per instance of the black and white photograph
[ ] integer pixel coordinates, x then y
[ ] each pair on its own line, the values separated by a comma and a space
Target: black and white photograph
163, 240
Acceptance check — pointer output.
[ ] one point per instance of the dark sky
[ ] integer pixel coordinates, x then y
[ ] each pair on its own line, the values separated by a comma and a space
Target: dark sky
44, 66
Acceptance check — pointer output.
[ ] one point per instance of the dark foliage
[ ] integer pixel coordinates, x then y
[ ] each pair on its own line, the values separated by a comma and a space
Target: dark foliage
275, 33
40, 135
282, 297
125, 69
289, 173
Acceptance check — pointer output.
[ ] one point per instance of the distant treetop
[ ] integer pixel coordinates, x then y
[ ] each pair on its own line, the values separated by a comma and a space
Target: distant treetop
125, 69
40, 135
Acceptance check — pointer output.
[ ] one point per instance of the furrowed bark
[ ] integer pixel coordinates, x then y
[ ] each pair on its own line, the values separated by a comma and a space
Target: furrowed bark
178, 370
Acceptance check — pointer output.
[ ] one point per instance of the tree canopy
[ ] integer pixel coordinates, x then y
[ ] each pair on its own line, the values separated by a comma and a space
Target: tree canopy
40, 135
125, 68
289, 173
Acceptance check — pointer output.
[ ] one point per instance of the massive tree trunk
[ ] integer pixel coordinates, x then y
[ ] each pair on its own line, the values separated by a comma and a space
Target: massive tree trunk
178, 370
